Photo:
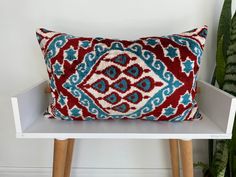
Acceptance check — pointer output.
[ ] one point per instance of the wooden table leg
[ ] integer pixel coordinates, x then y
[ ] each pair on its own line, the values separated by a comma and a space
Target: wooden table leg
174, 155
69, 155
187, 157
59, 157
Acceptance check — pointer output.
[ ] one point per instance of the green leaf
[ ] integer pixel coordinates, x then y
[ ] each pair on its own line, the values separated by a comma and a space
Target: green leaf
220, 158
223, 16
230, 70
224, 26
220, 64
232, 47
234, 165
223, 41
229, 86
225, 59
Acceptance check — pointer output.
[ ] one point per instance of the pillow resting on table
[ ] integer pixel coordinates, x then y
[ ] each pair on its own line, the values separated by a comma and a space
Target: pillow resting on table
151, 78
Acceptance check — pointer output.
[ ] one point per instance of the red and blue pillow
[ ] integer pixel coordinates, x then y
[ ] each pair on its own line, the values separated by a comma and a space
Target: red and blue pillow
151, 78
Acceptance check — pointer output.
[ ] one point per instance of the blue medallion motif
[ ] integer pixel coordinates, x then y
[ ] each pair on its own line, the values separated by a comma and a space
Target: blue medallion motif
169, 111
171, 52
85, 44
134, 97
112, 98
62, 100
187, 66
151, 118
52, 83
100, 85
122, 85
112, 72
76, 112
186, 99
151, 42
134, 71
58, 69
70, 54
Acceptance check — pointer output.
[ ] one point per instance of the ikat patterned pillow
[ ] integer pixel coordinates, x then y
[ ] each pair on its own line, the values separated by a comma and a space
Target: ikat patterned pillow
152, 78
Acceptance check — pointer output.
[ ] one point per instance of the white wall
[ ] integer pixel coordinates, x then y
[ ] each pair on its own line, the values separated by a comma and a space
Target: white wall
22, 65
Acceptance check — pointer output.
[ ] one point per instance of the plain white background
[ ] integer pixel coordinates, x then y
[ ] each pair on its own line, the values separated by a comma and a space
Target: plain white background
22, 65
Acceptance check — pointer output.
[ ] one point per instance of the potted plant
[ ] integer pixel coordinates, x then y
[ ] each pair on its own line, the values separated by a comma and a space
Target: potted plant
222, 153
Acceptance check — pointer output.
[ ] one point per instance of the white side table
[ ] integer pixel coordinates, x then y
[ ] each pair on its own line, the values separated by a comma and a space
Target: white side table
217, 107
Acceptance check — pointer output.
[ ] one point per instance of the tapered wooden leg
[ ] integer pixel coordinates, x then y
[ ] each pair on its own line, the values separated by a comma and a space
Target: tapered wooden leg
70, 148
174, 155
187, 157
59, 158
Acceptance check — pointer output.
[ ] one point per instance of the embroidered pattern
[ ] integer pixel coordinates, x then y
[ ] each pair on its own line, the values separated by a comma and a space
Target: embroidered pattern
151, 78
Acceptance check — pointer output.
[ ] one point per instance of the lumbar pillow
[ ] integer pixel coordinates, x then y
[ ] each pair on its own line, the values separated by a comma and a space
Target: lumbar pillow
152, 78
